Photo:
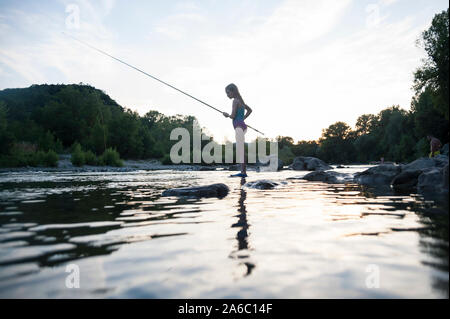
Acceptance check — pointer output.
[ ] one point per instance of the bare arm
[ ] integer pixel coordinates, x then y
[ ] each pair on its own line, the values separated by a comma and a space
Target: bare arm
249, 111
235, 107
233, 112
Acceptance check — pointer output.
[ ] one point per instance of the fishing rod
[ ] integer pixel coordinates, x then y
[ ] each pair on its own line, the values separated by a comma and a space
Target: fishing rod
149, 75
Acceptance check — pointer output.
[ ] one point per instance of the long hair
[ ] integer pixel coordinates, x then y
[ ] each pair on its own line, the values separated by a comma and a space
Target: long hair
233, 88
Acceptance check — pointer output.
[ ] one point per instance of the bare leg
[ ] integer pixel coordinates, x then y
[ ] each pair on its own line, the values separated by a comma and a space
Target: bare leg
240, 148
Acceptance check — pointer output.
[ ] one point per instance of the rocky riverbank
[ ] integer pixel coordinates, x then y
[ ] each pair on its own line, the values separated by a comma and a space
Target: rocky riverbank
424, 175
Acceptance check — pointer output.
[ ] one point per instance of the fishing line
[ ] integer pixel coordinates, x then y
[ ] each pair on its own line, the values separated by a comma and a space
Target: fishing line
149, 75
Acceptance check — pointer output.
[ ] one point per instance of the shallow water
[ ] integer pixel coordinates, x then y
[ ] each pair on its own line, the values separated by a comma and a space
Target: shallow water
300, 240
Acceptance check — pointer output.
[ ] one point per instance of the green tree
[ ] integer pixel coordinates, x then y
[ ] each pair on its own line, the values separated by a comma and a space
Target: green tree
306, 148
286, 155
365, 124
48, 142
77, 158
6, 138
338, 131
124, 134
336, 143
98, 138
434, 74
366, 148
393, 123
427, 119
284, 141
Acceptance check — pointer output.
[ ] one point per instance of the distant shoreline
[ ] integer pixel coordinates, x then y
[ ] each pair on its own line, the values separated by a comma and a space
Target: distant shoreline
65, 165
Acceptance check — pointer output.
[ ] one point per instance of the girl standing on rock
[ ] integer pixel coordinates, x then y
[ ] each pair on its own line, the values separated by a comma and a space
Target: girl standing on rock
238, 115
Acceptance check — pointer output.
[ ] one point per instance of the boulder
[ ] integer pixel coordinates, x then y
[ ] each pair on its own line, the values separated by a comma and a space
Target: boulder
431, 181
214, 190
303, 163
420, 164
440, 160
327, 177
206, 168
262, 184
445, 173
426, 175
444, 149
425, 163
378, 175
406, 180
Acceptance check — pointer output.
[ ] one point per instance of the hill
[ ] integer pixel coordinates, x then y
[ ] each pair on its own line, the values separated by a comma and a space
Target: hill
55, 117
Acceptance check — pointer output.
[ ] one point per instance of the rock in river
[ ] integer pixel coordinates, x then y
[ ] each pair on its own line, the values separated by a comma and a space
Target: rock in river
433, 181
214, 190
427, 174
406, 180
445, 184
303, 163
378, 175
444, 149
327, 177
425, 163
261, 184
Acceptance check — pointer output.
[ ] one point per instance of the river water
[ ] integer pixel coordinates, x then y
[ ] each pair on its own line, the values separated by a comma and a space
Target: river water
121, 239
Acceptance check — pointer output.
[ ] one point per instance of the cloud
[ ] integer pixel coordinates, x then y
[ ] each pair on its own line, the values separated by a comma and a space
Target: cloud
187, 6
176, 26
108, 5
292, 25
387, 3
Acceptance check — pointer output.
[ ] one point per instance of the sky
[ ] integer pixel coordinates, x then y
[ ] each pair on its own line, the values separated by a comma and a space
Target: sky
301, 65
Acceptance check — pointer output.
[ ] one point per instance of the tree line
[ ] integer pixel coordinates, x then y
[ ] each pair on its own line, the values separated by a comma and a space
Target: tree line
58, 117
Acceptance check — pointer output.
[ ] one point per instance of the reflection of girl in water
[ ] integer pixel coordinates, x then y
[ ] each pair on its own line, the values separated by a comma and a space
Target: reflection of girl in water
238, 115
242, 234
